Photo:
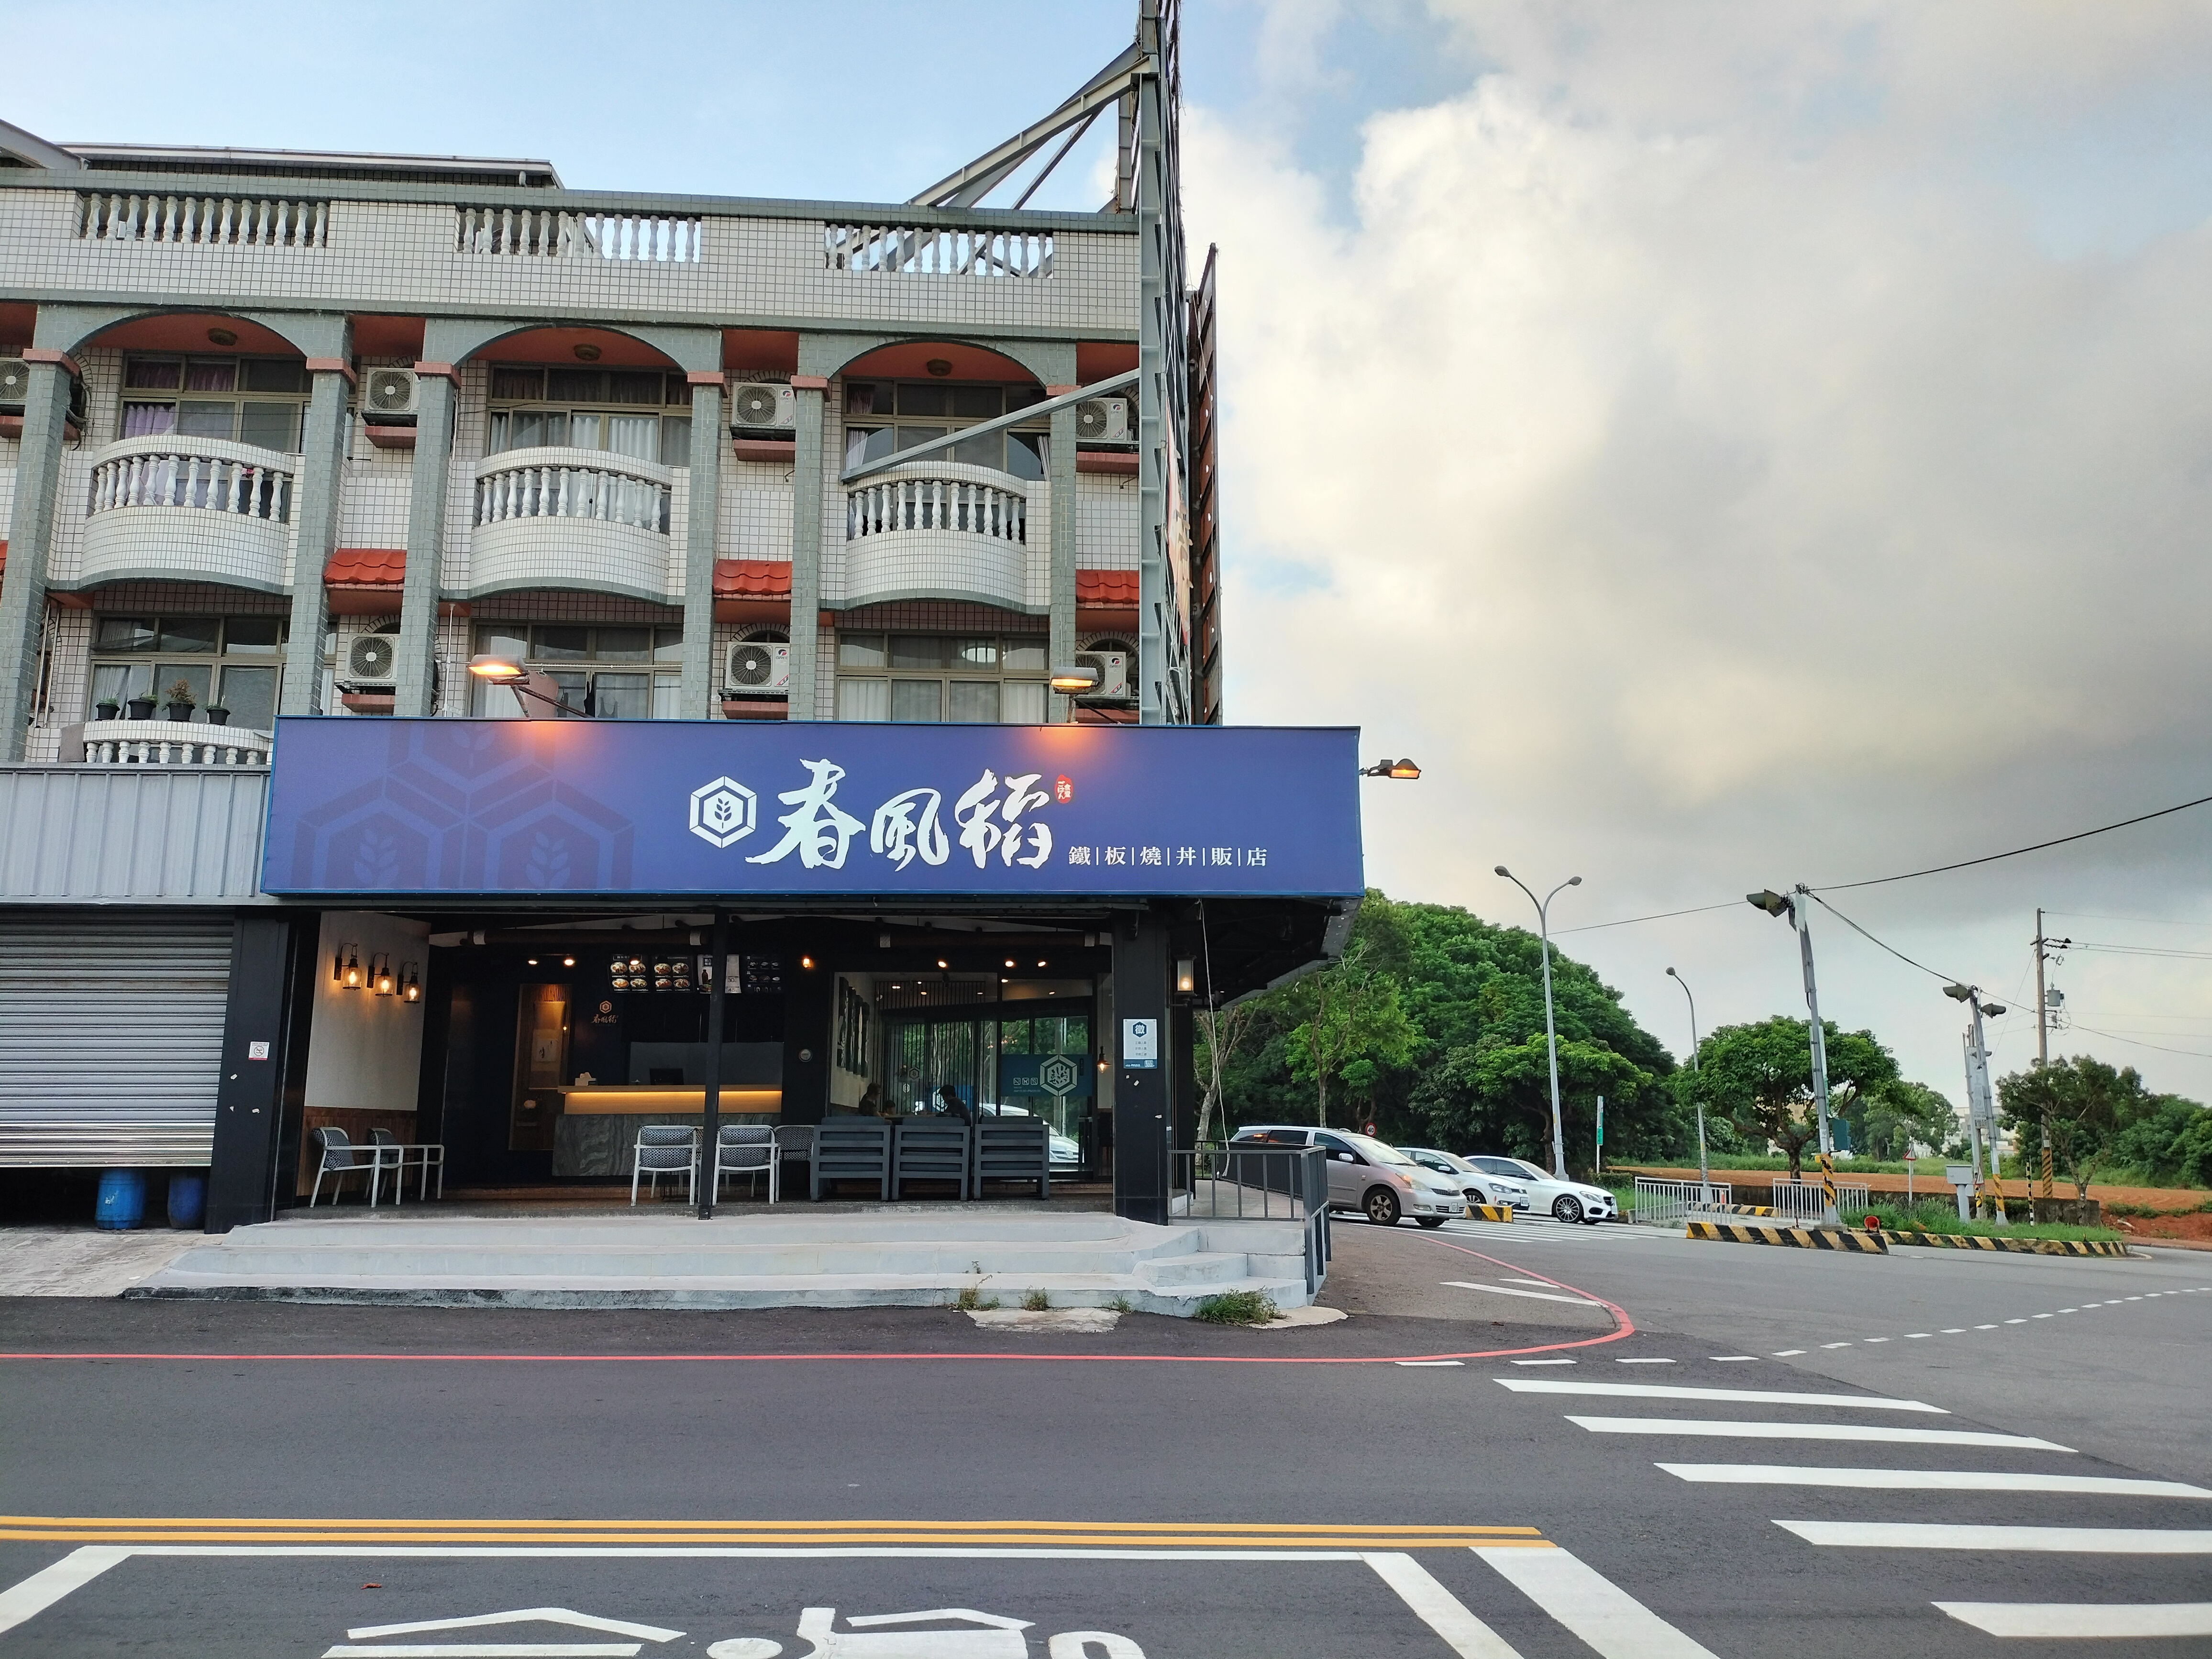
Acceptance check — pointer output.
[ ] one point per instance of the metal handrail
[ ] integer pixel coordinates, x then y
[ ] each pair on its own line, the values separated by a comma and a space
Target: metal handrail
1248, 1183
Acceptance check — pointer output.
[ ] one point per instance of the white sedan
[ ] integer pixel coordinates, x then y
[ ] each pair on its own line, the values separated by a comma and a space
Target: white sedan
1565, 1201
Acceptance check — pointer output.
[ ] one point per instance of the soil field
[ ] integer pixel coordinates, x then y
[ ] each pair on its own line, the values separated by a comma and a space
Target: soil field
1931, 1185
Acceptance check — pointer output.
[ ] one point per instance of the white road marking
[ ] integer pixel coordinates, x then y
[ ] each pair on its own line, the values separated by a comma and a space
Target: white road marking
1732, 1359
1543, 1362
1501, 1290
1953, 1330
1881, 1432
1643, 1362
1985, 1328
1747, 1396
2042, 1315
1938, 1536
1546, 1283
44, 1587
1793, 1475
1787, 1353
2061, 1618
519, 1616
1439, 1609
484, 1650
1876, 1339
1605, 1616
2012, 1322
1835, 1345
1914, 1336
1428, 1362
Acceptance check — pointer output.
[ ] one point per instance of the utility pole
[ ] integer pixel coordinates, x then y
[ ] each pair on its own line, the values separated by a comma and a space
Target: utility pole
1981, 1100
1797, 909
2043, 948
1704, 1174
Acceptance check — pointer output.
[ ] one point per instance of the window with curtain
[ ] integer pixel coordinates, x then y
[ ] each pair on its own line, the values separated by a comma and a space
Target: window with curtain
250, 400
959, 679
883, 417
609, 673
641, 414
232, 663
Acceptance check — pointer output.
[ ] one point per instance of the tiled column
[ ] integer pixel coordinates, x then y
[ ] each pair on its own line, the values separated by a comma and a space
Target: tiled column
30, 535
701, 670
426, 541
806, 544
1063, 542
322, 474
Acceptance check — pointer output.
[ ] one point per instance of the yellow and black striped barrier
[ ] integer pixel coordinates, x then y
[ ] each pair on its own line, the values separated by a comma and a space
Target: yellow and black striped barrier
1734, 1209
1490, 1213
1803, 1238
2014, 1246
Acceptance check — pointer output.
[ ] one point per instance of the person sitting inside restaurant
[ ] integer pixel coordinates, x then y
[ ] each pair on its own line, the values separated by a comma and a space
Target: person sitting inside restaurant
871, 1101
949, 1104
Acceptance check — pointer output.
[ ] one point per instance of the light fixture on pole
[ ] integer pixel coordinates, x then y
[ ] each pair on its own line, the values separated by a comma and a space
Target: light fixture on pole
524, 682
1780, 905
1407, 768
1072, 680
1551, 1030
1704, 1173
1981, 1103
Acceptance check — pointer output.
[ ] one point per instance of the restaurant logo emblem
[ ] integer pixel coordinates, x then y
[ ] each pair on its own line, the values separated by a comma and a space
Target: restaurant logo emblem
1058, 1075
722, 812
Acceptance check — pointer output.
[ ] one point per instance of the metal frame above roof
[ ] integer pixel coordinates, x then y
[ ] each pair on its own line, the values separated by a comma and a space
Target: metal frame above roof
970, 184
33, 151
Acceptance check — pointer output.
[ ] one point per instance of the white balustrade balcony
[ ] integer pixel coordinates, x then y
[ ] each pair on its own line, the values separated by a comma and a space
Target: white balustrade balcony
170, 743
937, 530
192, 509
571, 518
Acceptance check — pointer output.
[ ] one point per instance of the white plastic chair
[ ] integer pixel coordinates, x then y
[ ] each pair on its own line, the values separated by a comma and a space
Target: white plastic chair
749, 1150
663, 1149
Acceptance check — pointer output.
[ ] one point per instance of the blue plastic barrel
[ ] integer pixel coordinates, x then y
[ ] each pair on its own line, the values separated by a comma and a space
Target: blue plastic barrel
122, 1203
187, 1198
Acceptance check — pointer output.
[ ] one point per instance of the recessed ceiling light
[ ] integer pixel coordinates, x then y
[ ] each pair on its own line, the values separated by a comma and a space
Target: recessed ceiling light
568, 962
942, 963
533, 962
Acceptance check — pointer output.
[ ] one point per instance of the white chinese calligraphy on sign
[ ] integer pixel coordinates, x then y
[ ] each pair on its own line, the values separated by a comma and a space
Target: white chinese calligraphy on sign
817, 829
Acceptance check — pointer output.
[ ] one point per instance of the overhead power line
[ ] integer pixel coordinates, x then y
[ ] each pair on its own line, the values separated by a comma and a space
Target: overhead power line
1626, 921
2137, 1042
1949, 979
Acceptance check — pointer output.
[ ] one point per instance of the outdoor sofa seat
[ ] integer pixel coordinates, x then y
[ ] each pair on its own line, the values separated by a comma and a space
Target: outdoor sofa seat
1013, 1149
851, 1149
931, 1149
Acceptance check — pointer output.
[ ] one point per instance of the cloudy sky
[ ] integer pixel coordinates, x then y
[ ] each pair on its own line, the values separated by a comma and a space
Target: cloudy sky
1727, 445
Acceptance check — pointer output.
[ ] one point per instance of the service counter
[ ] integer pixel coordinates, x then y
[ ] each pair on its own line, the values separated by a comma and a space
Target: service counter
597, 1124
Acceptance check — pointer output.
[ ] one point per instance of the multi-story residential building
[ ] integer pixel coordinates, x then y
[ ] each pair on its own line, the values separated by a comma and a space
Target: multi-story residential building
300, 439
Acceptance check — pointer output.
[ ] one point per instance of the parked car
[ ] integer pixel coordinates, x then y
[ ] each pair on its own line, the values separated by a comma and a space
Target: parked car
1378, 1181
1564, 1200
1481, 1186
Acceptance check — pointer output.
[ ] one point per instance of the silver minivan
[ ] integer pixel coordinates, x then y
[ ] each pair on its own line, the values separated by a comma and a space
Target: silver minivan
1379, 1181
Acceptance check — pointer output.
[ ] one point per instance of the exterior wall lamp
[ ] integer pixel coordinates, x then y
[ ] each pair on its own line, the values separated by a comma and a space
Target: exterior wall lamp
1186, 977
345, 967
380, 975
524, 682
411, 982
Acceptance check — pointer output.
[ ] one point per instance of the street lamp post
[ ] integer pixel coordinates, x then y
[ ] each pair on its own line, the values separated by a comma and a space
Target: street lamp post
1551, 1031
1704, 1174
524, 682
1981, 1104
1799, 912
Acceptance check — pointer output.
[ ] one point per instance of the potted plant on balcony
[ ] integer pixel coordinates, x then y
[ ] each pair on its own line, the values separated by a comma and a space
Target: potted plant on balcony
142, 707
107, 709
181, 701
218, 715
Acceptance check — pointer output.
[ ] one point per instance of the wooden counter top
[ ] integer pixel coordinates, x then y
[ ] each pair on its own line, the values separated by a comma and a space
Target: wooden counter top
666, 1099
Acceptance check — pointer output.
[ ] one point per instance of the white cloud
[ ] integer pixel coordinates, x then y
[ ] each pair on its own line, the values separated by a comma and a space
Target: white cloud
1690, 453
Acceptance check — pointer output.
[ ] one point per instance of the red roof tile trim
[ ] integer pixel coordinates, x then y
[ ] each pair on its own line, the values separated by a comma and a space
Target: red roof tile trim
752, 579
366, 566
1099, 589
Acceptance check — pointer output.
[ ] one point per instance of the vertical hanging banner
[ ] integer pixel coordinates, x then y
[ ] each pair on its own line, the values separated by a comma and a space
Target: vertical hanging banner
537, 807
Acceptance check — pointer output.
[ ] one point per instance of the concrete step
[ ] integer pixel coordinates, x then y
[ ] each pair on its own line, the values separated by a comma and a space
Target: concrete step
843, 1261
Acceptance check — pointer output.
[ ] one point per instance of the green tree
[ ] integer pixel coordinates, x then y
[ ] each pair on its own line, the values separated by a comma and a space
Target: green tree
2171, 1142
1354, 1024
2083, 1104
1500, 1095
1888, 1117
1760, 1078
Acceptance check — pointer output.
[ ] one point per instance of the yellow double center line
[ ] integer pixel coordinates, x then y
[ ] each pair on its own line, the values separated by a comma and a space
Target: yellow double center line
782, 1534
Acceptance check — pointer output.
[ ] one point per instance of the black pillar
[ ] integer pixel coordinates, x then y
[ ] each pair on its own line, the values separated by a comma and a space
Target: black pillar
258, 1051
809, 1006
711, 1131
1142, 1090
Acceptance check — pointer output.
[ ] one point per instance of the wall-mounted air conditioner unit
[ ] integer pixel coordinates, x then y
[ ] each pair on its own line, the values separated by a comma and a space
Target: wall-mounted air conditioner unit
757, 668
1105, 421
758, 406
373, 658
390, 395
14, 385
1113, 668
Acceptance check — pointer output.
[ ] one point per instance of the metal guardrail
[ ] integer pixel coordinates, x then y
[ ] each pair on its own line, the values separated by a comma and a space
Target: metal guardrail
1669, 1203
1258, 1183
1801, 1200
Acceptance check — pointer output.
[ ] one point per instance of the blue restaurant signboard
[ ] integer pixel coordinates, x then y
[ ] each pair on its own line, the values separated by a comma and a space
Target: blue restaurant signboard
519, 808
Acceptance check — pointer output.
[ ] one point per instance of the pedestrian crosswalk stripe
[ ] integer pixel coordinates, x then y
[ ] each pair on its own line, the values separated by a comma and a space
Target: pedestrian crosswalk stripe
2043, 1621
1605, 1616
1438, 1608
1875, 1432
1940, 1535
1792, 1474
1750, 1396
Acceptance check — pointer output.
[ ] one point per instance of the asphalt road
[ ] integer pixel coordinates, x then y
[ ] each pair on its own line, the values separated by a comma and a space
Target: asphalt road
316, 1480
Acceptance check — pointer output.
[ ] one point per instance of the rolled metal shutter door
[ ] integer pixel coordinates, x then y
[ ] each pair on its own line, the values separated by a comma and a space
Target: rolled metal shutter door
111, 1037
